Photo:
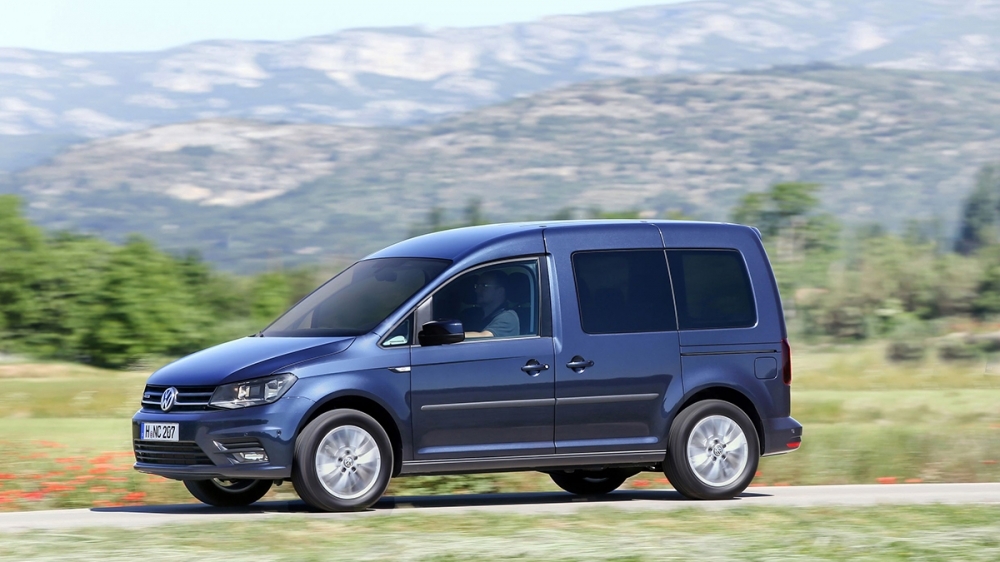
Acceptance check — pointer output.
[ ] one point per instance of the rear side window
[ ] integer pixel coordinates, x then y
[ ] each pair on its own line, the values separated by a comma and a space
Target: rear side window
712, 289
623, 291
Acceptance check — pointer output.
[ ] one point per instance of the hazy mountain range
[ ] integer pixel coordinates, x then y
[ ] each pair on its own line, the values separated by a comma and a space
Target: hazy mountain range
887, 145
404, 75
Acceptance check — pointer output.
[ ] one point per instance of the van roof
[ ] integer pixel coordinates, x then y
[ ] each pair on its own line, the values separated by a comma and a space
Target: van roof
459, 242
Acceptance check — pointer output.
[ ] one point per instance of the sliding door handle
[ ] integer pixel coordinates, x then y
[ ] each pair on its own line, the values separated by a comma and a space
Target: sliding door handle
578, 364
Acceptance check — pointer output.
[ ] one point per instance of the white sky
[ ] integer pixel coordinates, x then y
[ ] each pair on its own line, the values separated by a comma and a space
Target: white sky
149, 25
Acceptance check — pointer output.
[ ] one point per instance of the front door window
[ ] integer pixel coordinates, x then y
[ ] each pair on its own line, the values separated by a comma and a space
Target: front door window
496, 301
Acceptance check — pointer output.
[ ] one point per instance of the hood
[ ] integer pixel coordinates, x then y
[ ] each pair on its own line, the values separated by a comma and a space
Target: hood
245, 358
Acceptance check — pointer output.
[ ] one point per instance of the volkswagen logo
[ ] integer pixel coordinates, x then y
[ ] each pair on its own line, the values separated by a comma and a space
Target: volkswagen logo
168, 399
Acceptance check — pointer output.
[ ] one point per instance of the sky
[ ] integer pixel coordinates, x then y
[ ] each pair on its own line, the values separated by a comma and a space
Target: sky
150, 25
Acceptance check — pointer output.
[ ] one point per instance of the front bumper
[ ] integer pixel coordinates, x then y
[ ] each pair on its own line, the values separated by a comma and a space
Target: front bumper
781, 435
208, 442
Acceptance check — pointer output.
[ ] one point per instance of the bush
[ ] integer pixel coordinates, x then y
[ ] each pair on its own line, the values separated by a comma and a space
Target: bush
958, 350
906, 350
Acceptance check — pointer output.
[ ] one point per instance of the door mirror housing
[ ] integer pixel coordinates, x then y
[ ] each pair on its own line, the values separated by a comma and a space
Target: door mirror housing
440, 332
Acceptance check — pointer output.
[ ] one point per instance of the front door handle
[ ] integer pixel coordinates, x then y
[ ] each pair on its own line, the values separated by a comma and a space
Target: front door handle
533, 367
578, 364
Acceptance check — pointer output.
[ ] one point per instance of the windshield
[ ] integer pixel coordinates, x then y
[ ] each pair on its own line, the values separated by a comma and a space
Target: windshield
358, 299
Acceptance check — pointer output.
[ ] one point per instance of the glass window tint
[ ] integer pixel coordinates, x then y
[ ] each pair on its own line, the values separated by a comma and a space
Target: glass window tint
626, 291
356, 300
493, 301
401, 335
712, 289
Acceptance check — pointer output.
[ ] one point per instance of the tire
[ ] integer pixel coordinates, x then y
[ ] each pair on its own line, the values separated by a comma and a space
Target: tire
351, 443
228, 493
712, 451
590, 482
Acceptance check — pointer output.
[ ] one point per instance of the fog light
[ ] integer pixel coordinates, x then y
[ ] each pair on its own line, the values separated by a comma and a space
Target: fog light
254, 456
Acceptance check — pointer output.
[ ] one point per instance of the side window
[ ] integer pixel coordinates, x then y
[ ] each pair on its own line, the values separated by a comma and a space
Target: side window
497, 301
623, 291
712, 288
401, 335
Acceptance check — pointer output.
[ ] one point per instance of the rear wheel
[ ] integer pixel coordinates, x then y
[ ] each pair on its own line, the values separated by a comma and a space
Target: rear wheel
343, 461
228, 493
712, 451
590, 482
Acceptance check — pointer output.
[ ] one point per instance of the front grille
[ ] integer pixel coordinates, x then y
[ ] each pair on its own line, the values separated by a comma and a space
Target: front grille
177, 453
189, 398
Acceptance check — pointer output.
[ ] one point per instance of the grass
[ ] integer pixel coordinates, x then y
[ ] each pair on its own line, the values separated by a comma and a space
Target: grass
866, 420
864, 367
55, 390
873, 533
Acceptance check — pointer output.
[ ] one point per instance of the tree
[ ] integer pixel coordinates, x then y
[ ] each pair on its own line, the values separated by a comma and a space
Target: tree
777, 208
142, 307
980, 213
786, 215
270, 297
23, 260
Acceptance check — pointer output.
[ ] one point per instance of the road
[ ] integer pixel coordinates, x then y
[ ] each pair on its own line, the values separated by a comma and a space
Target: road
534, 503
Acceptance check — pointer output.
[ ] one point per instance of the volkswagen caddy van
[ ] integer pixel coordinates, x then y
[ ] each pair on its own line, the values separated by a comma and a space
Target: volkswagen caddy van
589, 351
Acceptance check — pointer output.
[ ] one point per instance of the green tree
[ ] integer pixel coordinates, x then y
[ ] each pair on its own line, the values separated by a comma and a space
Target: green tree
269, 297
23, 265
66, 293
142, 307
787, 216
988, 295
980, 213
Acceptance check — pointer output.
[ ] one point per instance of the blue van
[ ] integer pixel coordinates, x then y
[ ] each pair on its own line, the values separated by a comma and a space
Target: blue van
588, 350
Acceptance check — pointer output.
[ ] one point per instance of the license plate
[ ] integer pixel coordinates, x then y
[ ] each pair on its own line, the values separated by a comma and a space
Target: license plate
159, 431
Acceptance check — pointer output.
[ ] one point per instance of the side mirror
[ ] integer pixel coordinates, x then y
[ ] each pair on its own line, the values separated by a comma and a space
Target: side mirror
441, 332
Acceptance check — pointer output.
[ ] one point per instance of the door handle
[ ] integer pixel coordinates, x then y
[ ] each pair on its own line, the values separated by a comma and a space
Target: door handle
578, 364
533, 367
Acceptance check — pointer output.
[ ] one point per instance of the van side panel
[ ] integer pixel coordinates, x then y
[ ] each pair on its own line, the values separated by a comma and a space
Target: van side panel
616, 403
770, 398
730, 358
770, 325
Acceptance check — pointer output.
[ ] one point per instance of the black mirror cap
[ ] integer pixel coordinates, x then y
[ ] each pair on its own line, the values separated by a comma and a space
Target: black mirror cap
441, 332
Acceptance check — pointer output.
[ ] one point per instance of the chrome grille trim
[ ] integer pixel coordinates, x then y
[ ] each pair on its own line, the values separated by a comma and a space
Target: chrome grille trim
189, 398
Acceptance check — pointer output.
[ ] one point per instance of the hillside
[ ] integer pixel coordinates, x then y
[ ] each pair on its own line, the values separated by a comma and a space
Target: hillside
395, 76
887, 145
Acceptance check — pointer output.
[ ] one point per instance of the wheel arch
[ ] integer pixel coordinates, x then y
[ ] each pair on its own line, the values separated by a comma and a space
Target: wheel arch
734, 397
368, 406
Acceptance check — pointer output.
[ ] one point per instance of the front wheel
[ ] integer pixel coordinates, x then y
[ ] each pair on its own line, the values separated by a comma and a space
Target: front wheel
228, 493
343, 461
589, 482
712, 451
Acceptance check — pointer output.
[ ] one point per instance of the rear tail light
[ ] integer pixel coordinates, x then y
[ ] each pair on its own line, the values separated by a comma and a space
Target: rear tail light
786, 362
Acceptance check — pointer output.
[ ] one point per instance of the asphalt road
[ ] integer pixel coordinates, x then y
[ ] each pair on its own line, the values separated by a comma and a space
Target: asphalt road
792, 496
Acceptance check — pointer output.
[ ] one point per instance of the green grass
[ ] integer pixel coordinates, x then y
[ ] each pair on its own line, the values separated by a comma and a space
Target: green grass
75, 435
864, 367
54, 390
875, 533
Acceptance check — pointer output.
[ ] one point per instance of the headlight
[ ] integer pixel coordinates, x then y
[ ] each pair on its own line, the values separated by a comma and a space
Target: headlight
252, 393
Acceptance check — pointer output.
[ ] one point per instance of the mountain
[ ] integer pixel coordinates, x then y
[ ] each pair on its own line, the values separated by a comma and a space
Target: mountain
390, 77
888, 146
